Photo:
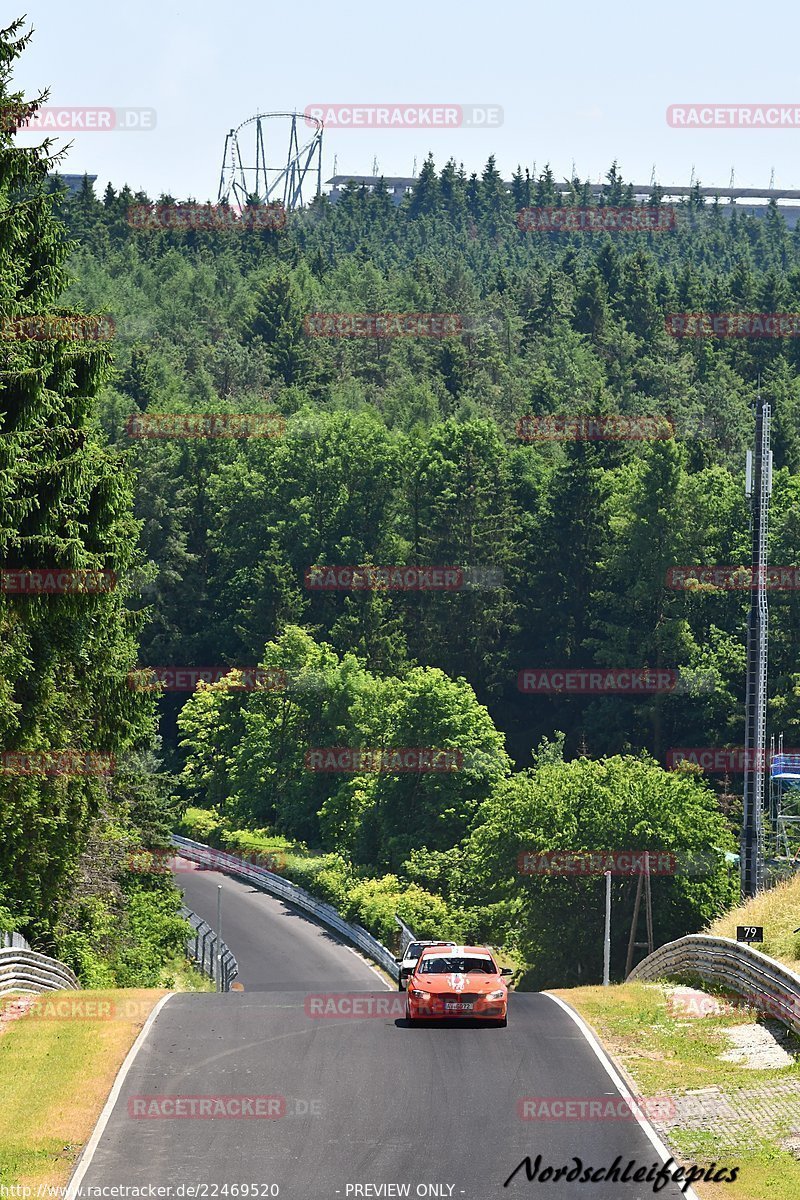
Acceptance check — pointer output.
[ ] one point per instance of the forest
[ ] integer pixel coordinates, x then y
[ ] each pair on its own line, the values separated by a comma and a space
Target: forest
448, 447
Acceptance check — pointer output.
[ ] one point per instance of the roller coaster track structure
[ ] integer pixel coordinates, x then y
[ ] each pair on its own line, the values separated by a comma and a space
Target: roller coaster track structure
246, 174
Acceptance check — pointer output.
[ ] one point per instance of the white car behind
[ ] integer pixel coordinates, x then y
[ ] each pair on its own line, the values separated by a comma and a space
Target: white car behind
409, 960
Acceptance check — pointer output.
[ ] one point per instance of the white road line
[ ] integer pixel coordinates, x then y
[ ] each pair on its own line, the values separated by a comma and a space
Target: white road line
619, 1083
367, 963
86, 1157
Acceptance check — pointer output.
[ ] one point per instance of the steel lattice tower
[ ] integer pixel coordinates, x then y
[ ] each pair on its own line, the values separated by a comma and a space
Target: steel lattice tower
759, 487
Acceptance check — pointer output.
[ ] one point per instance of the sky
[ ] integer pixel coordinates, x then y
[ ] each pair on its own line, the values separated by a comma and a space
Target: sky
578, 83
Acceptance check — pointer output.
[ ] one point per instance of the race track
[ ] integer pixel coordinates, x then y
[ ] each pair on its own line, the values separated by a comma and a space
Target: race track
364, 1102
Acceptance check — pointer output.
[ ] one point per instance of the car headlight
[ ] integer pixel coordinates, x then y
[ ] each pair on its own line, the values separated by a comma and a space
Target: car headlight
418, 995
498, 995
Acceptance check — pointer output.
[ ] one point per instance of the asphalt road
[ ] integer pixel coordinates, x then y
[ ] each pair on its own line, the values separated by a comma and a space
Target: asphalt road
364, 1102
276, 947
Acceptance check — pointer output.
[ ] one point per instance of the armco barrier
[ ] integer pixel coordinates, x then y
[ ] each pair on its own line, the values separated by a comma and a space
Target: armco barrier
27, 971
268, 881
733, 965
15, 940
406, 936
204, 951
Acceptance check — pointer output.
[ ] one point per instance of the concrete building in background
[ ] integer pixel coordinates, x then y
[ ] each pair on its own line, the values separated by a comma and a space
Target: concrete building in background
73, 183
756, 199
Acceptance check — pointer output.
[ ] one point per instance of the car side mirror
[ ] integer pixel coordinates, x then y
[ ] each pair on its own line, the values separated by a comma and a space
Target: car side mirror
506, 970
399, 961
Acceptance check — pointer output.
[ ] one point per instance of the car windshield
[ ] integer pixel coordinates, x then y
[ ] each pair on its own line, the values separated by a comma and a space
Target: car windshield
436, 965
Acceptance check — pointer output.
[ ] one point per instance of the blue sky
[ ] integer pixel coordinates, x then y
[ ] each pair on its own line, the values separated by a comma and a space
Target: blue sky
582, 82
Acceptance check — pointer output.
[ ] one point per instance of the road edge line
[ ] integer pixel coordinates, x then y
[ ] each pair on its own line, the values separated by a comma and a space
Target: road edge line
608, 1064
375, 970
87, 1154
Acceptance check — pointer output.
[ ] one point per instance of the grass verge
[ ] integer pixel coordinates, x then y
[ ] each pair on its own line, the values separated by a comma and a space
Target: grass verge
58, 1063
722, 1112
778, 910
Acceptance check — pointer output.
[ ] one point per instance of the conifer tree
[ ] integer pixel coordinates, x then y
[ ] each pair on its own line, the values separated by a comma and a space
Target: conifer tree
65, 505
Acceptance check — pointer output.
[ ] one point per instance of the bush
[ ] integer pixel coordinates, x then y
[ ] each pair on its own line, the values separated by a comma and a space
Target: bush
155, 934
134, 944
374, 902
203, 825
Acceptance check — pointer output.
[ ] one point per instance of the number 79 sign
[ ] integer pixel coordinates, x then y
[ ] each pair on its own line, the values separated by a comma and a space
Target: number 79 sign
749, 933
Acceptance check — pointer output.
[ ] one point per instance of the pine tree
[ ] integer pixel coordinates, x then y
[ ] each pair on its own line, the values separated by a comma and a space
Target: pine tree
425, 193
66, 504
591, 306
613, 193
278, 322
520, 189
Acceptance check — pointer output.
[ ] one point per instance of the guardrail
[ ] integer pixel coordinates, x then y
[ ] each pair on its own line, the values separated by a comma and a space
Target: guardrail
268, 881
406, 936
28, 971
766, 985
209, 953
15, 940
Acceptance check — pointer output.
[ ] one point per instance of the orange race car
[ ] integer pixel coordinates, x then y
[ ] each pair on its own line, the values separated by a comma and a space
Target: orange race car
461, 981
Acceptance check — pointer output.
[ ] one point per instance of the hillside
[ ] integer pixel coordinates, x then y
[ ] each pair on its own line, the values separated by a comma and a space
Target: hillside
778, 910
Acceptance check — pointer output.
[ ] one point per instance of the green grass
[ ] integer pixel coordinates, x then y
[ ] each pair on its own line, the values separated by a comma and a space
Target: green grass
778, 910
181, 976
55, 1075
671, 1055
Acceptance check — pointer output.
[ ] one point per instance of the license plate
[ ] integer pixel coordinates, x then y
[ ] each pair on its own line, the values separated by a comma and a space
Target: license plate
457, 1006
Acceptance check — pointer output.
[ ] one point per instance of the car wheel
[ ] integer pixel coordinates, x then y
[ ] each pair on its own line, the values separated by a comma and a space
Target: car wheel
409, 1017
503, 1023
